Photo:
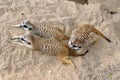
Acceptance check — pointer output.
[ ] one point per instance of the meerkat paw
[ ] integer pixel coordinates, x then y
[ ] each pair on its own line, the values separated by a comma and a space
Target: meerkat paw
68, 61
65, 60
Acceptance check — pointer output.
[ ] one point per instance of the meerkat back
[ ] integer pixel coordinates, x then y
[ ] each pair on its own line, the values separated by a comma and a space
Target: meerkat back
85, 35
45, 30
49, 45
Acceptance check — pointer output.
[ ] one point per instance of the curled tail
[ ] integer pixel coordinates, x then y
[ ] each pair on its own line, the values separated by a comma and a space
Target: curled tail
100, 34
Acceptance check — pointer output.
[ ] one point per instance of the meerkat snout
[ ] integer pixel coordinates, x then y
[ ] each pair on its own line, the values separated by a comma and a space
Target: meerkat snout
29, 28
25, 25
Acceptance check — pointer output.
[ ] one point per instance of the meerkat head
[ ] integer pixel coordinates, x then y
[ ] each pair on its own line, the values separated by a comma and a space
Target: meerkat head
27, 38
26, 25
74, 43
21, 39
24, 40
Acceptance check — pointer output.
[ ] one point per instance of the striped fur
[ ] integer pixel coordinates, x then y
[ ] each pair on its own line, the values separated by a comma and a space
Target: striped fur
84, 36
49, 46
45, 30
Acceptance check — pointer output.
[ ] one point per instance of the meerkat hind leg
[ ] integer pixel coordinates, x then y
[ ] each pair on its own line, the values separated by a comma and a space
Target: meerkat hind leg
65, 59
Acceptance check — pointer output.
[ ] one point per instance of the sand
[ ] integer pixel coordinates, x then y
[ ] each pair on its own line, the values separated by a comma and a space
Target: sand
20, 63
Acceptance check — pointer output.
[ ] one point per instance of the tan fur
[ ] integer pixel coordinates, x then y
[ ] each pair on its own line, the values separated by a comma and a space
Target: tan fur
46, 30
85, 35
47, 46
87, 30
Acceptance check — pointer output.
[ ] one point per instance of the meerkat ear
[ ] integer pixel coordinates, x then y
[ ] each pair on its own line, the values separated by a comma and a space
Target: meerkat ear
26, 22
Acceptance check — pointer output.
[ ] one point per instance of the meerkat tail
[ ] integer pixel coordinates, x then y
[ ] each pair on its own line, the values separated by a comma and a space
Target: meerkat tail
107, 39
100, 34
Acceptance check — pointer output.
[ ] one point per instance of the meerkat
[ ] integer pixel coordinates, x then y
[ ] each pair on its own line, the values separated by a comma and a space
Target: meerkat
84, 36
47, 46
45, 30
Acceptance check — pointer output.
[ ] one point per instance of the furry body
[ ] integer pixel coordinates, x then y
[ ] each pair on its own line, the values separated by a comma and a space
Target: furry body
45, 30
85, 36
47, 46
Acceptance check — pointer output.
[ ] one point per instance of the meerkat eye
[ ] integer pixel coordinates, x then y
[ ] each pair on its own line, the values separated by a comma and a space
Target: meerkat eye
30, 28
22, 39
74, 46
80, 46
28, 43
25, 26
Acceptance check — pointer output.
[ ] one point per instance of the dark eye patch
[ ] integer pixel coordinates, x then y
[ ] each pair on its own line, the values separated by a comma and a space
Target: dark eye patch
30, 28
28, 43
23, 39
75, 46
25, 26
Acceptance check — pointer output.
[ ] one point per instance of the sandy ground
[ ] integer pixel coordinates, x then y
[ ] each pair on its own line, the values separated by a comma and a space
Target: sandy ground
20, 63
